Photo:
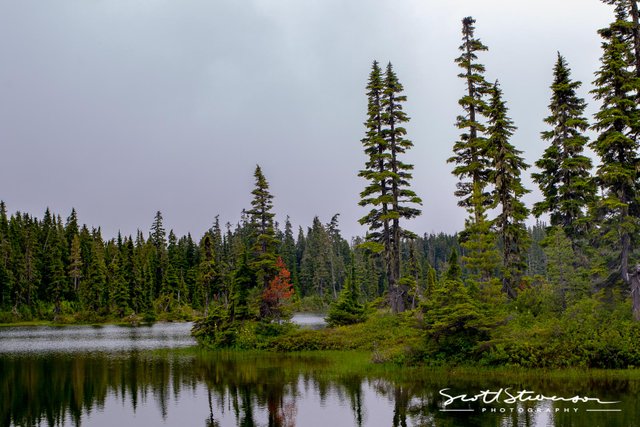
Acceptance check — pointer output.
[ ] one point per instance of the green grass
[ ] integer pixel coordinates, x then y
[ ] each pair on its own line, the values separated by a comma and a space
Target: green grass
384, 337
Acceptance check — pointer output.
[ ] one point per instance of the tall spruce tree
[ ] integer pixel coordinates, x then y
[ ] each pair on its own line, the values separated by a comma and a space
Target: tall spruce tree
564, 178
507, 165
472, 164
618, 124
480, 257
263, 236
388, 191
376, 192
159, 257
402, 197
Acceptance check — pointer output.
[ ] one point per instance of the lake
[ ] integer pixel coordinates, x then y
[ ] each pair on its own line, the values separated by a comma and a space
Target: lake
153, 376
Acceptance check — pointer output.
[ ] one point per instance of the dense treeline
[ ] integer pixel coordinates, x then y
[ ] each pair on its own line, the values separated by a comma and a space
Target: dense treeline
55, 268
50, 267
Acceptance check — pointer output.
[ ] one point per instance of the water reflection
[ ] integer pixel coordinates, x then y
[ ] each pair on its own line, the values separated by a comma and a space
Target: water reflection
226, 389
106, 376
108, 338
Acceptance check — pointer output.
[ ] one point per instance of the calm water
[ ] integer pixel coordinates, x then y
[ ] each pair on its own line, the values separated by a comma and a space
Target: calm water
125, 376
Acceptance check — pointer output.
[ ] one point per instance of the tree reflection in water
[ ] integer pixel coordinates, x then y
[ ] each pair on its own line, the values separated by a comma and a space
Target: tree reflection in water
248, 389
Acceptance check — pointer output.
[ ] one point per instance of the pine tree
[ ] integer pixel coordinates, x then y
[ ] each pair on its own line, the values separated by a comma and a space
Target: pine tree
567, 280
263, 233
6, 275
347, 309
288, 253
71, 227
75, 264
564, 178
402, 196
618, 124
388, 191
117, 287
454, 272
172, 285
470, 156
53, 265
480, 256
243, 281
629, 9
375, 147
207, 274
139, 287
158, 234
339, 255
506, 168
92, 290
315, 267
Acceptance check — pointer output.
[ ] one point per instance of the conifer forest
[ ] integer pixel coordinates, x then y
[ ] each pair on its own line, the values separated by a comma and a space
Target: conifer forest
554, 284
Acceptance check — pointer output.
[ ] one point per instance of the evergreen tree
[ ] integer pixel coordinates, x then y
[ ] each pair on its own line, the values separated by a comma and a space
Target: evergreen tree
618, 124
244, 281
347, 309
388, 191
207, 274
376, 194
454, 272
173, 283
564, 177
480, 257
158, 234
92, 290
71, 228
536, 260
75, 264
402, 197
264, 240
566, 277
628, 9
53, 265
288, 253
159, 259
117, 287
454, 320
506, 168
472, 164
6, 275
129, 269
315, 267
339, 255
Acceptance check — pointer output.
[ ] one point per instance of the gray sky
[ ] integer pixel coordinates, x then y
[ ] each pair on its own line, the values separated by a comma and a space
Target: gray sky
120, 108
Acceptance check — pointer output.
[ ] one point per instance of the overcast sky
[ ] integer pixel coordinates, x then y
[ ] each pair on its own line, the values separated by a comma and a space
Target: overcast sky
120, 108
